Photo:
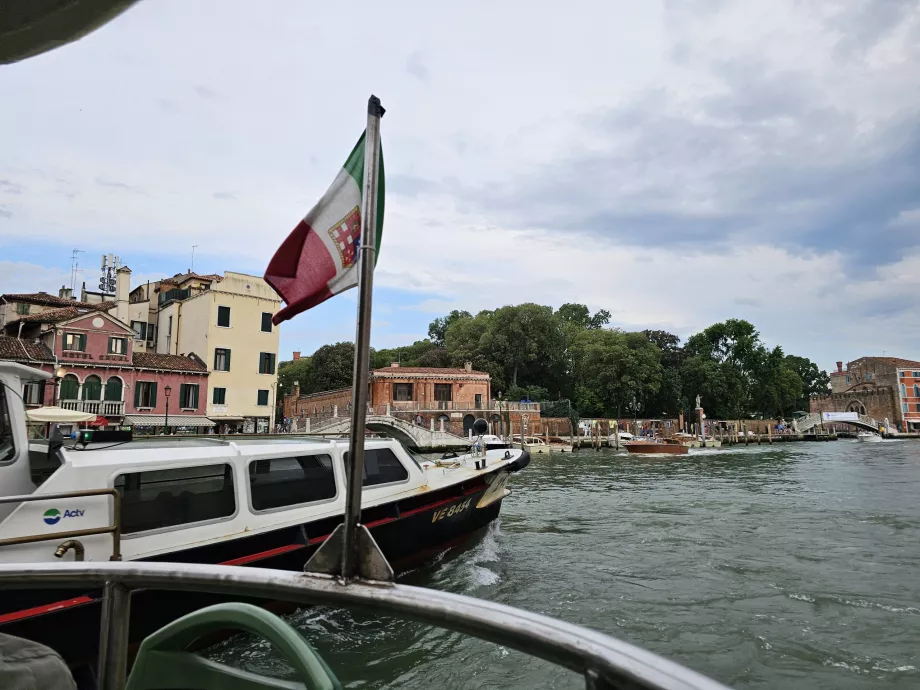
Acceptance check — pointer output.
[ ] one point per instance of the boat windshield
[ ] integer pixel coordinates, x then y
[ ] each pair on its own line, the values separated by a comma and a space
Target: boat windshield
416, 458
7, 446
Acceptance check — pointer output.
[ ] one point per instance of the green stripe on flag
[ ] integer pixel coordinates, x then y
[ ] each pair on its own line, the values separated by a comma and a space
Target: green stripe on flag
354, 166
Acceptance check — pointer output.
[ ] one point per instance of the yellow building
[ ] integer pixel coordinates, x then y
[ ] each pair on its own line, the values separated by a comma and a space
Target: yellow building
225, 320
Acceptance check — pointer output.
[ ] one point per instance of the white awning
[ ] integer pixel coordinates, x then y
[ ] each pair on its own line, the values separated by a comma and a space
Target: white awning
58, 415
160, 420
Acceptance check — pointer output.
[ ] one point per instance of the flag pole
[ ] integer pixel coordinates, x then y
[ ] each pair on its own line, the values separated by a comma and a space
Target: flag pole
367, 254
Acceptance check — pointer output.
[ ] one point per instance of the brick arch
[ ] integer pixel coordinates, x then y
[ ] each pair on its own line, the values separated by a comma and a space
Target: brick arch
855, 405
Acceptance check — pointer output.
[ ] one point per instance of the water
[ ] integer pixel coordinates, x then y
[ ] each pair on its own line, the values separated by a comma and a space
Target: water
791, 566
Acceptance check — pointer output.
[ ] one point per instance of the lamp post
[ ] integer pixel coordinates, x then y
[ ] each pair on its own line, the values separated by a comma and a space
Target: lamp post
501, 416
167, 391
59, 375
635, 407
276, 393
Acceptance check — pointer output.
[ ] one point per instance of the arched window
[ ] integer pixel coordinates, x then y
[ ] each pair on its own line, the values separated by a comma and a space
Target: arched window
468, 421
70, 385
113, 389
92, 388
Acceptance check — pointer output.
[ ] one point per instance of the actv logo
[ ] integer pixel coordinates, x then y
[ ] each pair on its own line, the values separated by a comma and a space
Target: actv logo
52, 516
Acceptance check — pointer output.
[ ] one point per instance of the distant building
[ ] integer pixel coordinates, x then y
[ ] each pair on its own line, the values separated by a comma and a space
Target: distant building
222, 321
431, 396
881, 387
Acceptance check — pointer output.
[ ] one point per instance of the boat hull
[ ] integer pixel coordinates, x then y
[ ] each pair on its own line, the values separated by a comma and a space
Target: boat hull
872, 438
68, 621
657, 448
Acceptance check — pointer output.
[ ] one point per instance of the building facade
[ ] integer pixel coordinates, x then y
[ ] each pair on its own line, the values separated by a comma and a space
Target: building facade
440, 398
880, 387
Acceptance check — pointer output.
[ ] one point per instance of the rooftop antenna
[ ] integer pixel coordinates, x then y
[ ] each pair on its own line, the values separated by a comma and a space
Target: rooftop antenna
74, 268
192, 269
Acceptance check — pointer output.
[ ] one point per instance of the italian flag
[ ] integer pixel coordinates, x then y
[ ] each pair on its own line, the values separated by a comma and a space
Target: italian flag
319, 258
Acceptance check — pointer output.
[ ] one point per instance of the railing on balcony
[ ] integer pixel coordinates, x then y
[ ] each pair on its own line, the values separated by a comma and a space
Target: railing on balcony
104, 408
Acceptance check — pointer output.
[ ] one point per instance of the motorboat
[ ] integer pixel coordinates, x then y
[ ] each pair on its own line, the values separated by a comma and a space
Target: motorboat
658, 446
254, 502
532, 444
493, 442
622, 436
868, 437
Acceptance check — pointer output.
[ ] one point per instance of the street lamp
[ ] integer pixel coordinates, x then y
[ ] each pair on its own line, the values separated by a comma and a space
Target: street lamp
276, 394
635, 407
59, 375
167, 391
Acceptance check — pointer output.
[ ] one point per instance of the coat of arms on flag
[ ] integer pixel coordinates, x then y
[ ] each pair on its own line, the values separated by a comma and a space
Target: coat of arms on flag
347, 235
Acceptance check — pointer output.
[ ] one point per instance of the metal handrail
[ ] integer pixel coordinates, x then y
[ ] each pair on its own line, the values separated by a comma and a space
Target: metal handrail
605, 662
113, 529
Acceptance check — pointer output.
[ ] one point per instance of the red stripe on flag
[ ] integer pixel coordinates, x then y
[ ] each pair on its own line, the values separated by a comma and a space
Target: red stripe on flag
300, 272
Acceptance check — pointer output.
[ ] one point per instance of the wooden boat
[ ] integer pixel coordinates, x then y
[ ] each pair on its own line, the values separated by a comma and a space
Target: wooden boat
558, 444
659, 446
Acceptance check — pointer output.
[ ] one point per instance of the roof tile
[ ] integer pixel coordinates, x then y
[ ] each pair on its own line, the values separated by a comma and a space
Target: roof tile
428, 370
153, 360
19, 350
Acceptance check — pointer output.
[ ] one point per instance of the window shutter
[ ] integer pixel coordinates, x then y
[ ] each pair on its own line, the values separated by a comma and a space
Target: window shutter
153, 394
137, 395
271, 363
182, 387
194, 395
83, 342
228, 359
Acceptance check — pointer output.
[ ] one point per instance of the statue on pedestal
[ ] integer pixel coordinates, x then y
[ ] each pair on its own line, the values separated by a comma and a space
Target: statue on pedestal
697, 401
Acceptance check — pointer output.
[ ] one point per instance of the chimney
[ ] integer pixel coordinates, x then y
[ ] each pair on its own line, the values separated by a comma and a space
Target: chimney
122, 288
296, 355
839, 367
65, 292
468, 366
394, 365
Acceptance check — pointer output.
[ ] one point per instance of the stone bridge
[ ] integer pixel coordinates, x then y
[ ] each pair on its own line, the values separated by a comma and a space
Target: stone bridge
411, 435
812, 420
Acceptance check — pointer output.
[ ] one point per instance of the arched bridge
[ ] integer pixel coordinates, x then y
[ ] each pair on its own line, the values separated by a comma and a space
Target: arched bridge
812, 420
408, 434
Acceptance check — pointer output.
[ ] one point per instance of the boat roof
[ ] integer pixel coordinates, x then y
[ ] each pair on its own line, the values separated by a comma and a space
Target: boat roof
202, 449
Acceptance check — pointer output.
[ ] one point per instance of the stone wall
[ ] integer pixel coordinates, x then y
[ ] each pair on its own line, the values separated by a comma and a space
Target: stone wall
318, 405
878, 402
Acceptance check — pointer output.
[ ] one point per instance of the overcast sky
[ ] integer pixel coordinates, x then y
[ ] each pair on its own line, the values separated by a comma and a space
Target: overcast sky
677, 163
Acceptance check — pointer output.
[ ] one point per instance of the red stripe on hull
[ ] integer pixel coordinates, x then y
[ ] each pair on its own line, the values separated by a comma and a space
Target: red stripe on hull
47, 608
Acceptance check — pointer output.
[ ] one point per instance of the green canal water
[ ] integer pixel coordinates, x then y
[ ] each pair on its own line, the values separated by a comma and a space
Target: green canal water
791, 566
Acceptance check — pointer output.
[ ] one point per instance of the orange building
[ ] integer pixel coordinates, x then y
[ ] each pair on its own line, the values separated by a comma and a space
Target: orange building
439, 398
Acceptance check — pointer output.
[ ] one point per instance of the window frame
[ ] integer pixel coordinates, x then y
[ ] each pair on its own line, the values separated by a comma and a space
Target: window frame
184, 525
81, 339
368, 487
223, 397
266, 359
259, 392
338, 480
7, 429
270, 324
139, 334
124, 341
22, 308
28, 387
151, 386
227, 352
229, 319
397, 386
184, 390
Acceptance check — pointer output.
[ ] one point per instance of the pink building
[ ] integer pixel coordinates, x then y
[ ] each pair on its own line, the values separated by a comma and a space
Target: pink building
97, 371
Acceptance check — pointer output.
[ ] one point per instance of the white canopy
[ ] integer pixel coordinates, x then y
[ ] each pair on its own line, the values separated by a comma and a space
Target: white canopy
58, 415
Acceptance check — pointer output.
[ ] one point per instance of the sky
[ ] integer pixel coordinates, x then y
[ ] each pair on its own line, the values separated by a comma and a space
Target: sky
677, 163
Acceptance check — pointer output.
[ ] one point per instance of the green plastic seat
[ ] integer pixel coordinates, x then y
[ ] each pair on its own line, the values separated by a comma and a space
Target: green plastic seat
163, 663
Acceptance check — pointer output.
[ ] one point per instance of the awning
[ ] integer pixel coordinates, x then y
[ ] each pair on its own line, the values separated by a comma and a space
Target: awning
58, 415
160, 420
219, 420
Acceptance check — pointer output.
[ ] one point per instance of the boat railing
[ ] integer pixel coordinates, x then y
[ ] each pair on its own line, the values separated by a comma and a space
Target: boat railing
604, 662
70, 536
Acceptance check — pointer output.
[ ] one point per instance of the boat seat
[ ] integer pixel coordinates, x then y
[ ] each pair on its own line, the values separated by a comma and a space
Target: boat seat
162, 661
27, 665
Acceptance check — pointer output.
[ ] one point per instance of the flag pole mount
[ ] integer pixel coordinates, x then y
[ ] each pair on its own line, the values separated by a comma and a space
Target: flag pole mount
350, 551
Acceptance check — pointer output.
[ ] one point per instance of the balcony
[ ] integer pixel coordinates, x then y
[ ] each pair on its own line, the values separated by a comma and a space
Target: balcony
452, 406
103, 408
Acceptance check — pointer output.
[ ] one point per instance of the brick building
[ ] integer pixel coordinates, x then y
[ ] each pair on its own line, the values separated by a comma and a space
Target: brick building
452, 399
881, 387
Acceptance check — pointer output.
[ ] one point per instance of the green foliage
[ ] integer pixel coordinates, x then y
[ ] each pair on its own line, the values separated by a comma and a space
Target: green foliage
332, 368
535, 353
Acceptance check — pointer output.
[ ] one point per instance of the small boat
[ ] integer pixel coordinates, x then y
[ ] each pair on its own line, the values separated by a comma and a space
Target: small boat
493, 442
868, 437
658, 446
532, 444
558, 444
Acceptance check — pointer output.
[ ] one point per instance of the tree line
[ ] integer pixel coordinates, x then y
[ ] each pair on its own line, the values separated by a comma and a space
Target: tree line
534, 352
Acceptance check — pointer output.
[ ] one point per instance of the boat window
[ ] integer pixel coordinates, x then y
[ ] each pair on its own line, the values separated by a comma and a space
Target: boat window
7, 447
381, 466
279, 482
166, 498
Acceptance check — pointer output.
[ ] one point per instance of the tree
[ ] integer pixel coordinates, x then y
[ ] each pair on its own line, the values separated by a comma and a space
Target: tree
332, 367
294, 370
814, 381
437, 329
578, 315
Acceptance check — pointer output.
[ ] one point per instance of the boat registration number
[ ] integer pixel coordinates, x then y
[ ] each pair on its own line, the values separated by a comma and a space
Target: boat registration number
450, 511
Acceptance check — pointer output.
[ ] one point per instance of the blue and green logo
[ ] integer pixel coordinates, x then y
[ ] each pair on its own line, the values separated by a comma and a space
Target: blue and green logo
52, 516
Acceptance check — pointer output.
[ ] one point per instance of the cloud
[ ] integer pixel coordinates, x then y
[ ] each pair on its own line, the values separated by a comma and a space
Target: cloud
204, 92
415, 65
5, 213
113, 184
224, 196
10, 187
908, 218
